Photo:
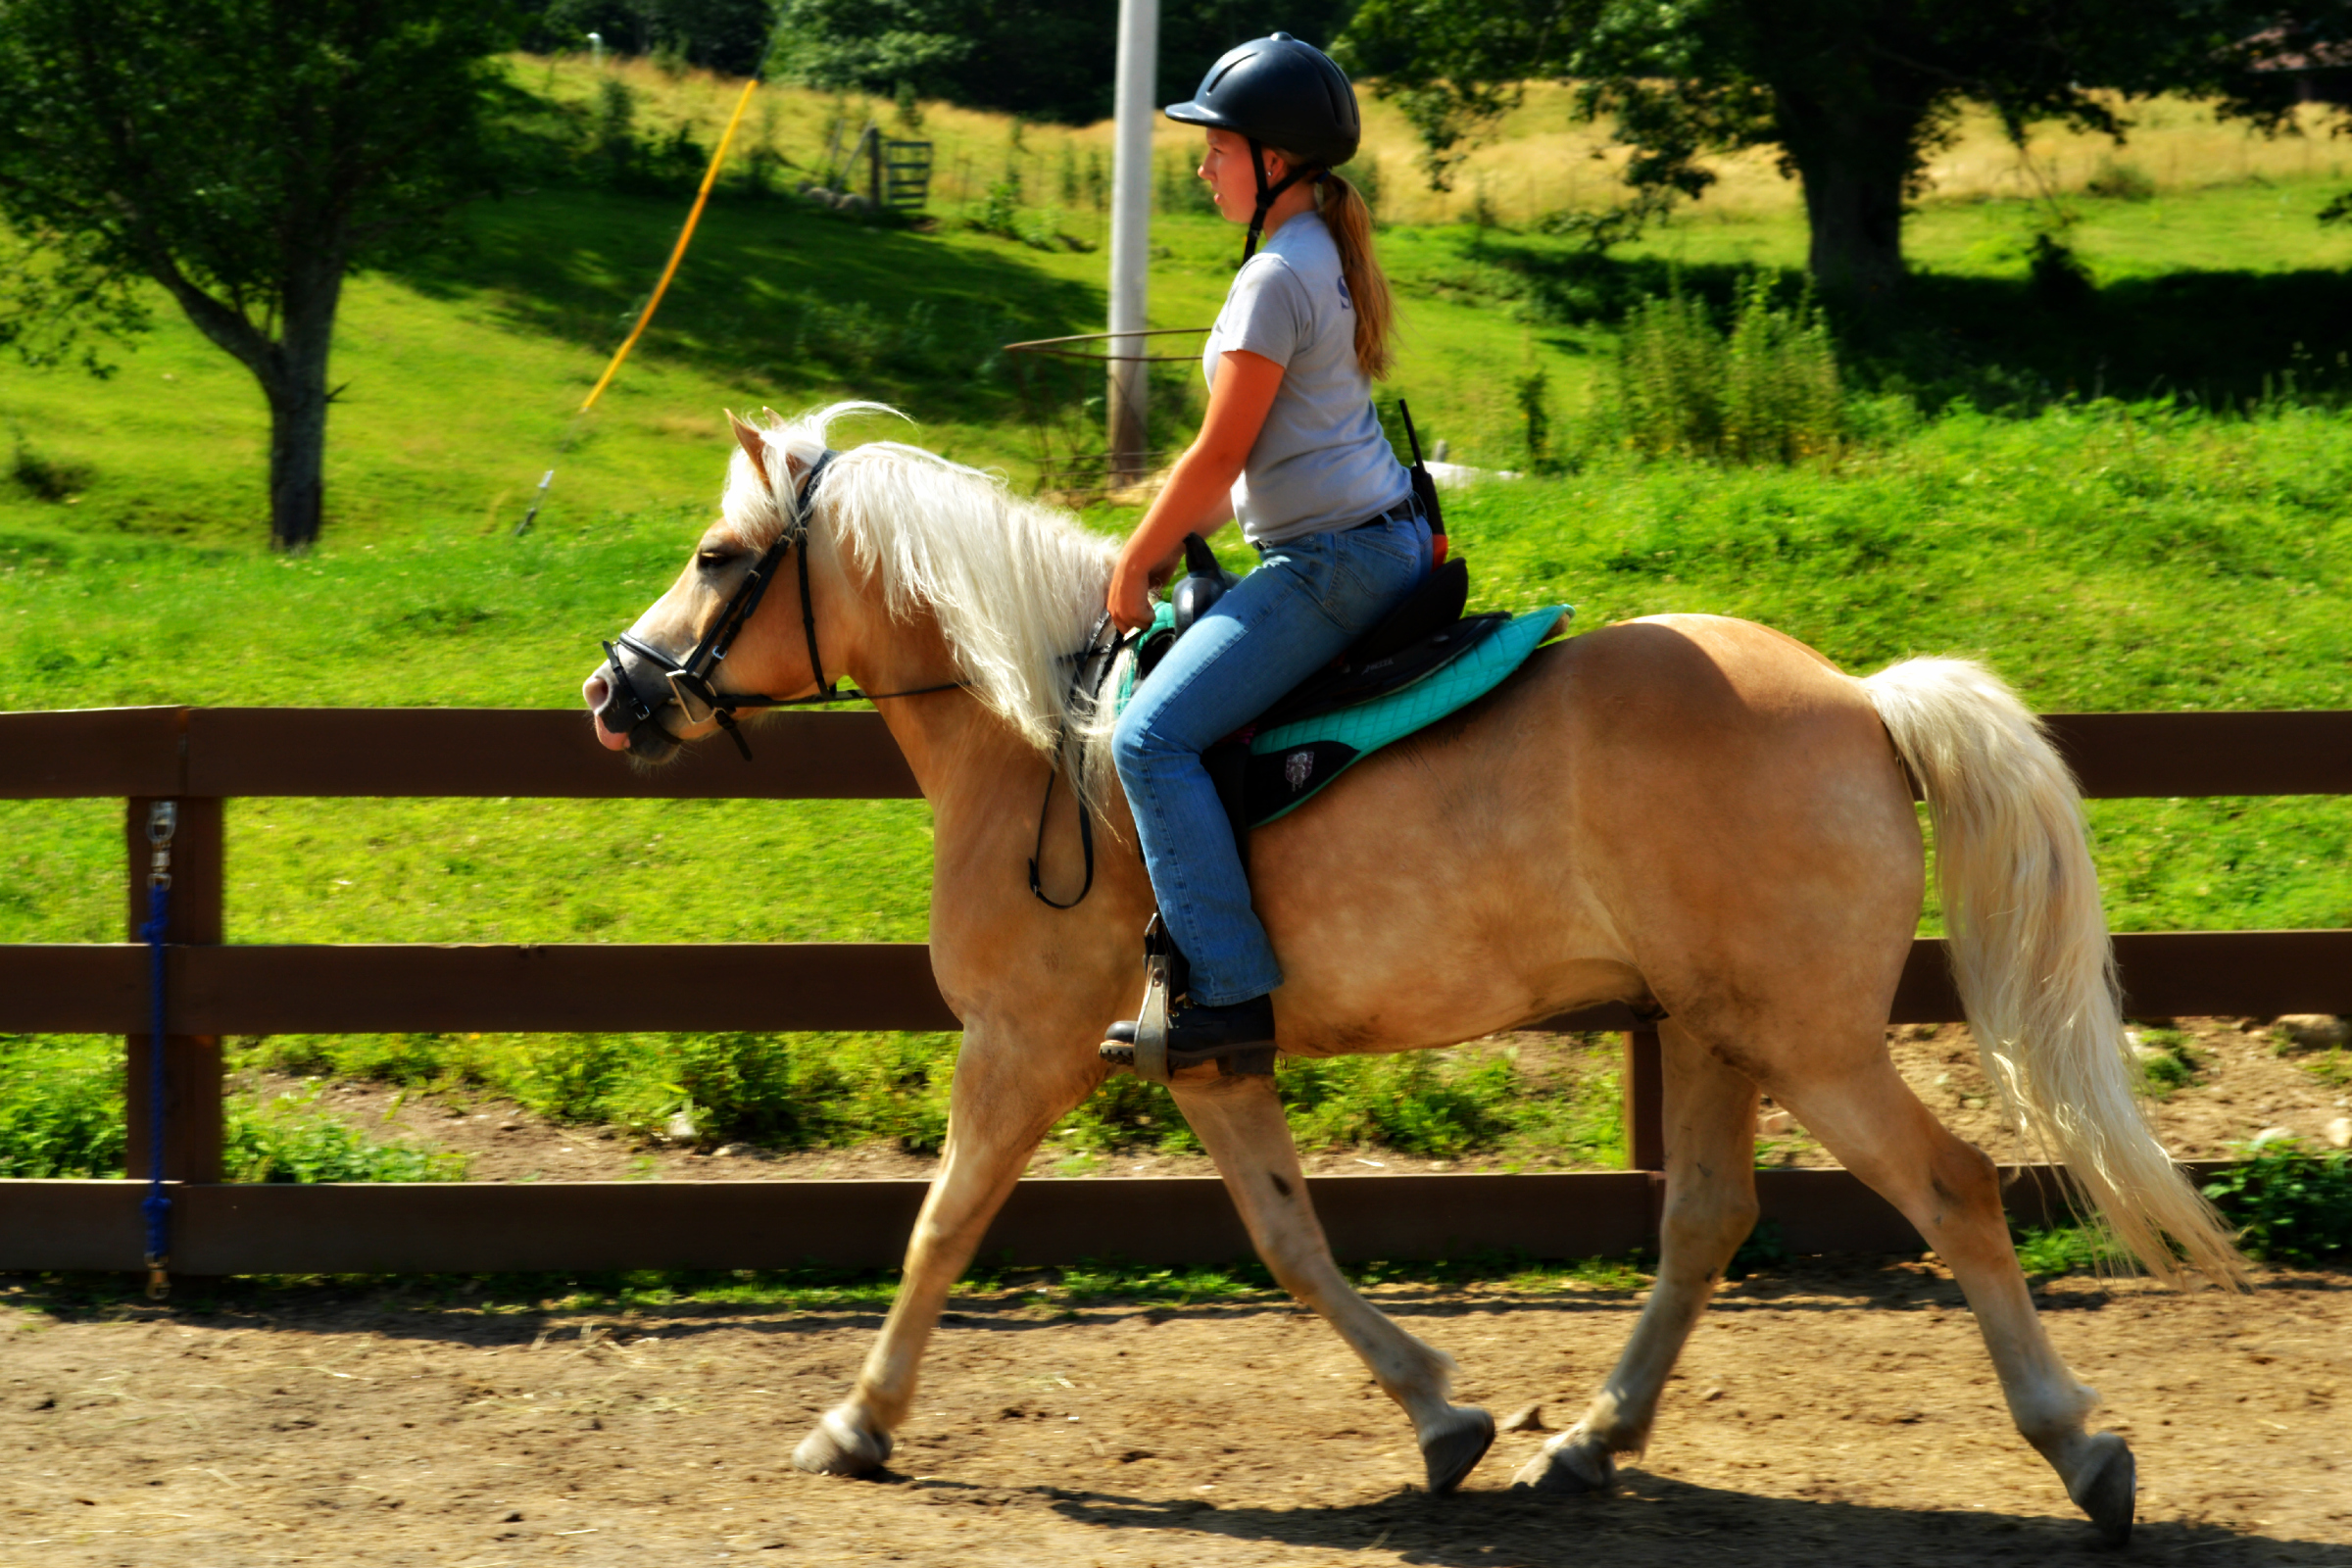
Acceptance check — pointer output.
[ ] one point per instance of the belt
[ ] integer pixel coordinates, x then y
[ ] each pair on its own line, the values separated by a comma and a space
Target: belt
1402, 512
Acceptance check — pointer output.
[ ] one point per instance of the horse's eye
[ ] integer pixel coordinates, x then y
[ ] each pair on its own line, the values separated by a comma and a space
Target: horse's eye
715, 560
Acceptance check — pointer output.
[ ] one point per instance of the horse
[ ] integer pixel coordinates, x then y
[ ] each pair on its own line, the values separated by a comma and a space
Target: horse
1696, 815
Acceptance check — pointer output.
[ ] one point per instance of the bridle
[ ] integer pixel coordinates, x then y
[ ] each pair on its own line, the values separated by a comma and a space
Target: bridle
690, 678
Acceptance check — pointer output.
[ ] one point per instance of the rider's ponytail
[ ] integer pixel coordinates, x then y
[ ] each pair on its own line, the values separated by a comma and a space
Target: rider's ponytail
1351, 224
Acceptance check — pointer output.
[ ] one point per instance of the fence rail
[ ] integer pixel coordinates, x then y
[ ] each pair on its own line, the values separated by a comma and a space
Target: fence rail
201, 757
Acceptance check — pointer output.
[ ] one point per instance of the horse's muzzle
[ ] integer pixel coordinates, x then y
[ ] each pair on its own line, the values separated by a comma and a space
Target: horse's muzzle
626, 694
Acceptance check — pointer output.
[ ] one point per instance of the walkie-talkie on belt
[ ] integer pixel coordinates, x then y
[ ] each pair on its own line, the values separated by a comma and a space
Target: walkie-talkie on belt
1424, 489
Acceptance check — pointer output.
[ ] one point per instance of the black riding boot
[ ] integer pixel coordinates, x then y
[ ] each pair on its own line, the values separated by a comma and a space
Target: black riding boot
1176, 1032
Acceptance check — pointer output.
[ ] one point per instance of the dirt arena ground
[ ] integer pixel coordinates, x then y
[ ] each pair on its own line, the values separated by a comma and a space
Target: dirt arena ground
1826, 1414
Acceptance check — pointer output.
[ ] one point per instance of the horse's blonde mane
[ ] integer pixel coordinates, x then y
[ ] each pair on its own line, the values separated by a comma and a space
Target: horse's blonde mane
1015, 586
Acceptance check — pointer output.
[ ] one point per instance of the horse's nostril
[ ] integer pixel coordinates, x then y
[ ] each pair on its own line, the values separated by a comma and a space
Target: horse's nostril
596, 691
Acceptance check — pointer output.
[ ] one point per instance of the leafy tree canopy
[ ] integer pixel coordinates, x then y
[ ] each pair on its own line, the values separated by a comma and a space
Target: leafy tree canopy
1857, 95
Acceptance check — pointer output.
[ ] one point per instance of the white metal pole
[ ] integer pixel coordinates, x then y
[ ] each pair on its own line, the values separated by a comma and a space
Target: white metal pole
1130, 231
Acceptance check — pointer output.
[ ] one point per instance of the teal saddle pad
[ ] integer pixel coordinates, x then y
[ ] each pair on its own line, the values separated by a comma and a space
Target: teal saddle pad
1286, 766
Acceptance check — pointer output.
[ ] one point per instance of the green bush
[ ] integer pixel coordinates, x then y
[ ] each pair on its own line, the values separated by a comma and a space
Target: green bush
2291, 1203
61, 1105
47, 478
1767, 392
2123, 182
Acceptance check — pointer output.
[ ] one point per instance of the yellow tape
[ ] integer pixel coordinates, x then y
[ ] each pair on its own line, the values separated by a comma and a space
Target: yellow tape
677, 252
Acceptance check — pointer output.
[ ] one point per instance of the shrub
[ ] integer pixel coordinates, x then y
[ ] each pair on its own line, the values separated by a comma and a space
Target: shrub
61, 1105
48, 478
2123, 182
2291, 1205
1536, 414
2061, 281
1767, 393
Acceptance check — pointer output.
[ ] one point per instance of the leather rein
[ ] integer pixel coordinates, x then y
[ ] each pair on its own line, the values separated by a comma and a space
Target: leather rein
690, 678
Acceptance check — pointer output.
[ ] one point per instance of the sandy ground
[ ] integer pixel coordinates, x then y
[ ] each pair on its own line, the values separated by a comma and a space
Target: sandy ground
2242, 1086
1823, 1416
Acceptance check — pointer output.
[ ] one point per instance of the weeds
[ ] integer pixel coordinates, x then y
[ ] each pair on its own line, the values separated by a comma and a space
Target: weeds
1767, 392
2291, 1203
2166, 1062
61, 1115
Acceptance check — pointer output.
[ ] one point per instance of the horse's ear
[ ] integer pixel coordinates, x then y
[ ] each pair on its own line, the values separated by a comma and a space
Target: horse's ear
792, 465
754, 447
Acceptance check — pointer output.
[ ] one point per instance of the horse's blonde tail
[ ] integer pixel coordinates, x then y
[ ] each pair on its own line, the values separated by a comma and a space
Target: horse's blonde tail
2031, 955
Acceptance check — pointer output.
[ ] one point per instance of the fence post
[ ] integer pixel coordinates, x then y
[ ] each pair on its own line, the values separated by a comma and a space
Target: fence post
192, 1107
1645, 1083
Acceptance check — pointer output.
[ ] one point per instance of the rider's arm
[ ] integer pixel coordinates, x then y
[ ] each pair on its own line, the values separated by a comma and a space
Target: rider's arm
1198, 496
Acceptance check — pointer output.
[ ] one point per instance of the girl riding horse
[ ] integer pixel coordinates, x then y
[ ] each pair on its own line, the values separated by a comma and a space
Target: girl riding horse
1292, 448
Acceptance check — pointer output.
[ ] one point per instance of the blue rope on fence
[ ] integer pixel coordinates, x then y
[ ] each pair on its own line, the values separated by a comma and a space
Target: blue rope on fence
157, 1207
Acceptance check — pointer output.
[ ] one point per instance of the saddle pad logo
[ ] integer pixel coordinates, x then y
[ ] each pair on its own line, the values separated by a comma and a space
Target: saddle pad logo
1298, 769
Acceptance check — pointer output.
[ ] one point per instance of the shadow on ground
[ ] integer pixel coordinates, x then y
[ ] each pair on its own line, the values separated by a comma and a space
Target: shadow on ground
1657, 1523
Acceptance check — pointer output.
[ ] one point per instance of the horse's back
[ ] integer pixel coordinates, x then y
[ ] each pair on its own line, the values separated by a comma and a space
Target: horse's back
1641, 812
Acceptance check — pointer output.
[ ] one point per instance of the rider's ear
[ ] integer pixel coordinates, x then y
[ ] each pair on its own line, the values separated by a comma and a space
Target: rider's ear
754, 447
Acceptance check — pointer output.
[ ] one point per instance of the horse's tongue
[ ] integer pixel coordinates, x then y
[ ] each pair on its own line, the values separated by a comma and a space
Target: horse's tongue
606, 739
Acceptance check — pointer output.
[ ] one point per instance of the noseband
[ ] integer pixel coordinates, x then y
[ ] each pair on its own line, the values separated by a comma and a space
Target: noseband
691, 678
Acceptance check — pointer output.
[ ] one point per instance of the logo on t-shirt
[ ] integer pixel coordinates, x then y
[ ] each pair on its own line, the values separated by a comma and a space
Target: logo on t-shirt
1347, 301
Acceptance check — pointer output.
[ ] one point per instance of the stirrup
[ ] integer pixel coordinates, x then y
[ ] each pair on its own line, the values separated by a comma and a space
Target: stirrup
1142, 1045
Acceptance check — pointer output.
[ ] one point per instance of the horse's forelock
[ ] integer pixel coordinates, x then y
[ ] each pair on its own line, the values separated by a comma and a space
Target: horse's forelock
1012, 584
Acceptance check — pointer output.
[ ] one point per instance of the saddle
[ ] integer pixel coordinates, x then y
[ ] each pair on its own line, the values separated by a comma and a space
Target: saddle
1425, 660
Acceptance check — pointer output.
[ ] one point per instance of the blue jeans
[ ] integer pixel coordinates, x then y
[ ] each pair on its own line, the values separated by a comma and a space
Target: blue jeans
1309, 599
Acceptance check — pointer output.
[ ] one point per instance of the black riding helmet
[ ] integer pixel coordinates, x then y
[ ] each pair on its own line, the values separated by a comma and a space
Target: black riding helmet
1278, 92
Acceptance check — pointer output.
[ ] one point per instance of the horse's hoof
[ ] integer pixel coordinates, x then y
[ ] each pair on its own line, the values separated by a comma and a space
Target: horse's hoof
1569, 1465
2107, 1488
839, 1447
1453, 1449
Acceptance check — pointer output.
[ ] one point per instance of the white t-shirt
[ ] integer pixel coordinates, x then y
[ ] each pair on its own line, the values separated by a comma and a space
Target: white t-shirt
1320, 460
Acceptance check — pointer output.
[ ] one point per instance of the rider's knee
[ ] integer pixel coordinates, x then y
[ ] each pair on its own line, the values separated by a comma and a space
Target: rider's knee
1133, 746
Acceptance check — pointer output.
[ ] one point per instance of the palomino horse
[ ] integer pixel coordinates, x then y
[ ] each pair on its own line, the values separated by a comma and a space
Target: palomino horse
1687, 812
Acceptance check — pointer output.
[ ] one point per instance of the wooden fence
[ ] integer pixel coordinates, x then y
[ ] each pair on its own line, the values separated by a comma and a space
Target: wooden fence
202, 757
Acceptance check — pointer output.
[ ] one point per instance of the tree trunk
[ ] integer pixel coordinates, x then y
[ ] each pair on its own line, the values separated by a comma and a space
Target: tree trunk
1854, 167
296, 386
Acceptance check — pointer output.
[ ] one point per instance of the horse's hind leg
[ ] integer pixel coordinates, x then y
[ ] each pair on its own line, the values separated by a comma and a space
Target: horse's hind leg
1005, 1094
1878, 1129
1240, 1122
1710, 1115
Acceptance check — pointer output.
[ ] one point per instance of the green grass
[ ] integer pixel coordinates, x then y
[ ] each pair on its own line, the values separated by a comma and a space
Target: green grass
987, 1287
2100, 555
61, 1115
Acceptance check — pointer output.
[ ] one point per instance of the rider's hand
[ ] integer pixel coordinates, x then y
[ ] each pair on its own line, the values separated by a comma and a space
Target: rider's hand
1130, 597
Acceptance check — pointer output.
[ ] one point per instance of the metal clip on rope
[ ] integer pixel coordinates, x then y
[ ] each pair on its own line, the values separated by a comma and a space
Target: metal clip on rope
163, 820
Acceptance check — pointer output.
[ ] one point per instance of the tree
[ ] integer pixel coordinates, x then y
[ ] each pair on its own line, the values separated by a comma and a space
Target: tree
246, 155
1857, 94
1046, 59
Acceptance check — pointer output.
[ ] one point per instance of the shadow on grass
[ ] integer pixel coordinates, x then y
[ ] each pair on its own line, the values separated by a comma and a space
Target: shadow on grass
2220, 339
773, 293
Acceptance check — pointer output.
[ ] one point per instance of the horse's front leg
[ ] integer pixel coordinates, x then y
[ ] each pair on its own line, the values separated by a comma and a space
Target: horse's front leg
1006, 1092
1240, 1122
